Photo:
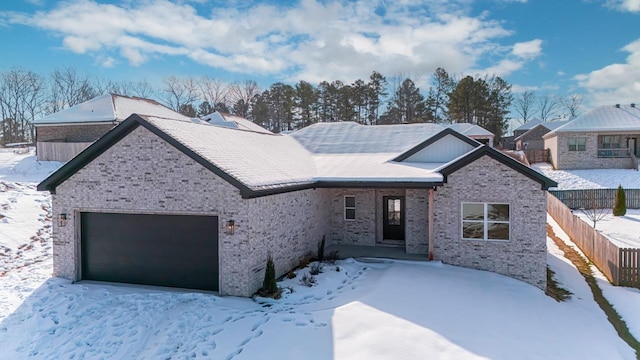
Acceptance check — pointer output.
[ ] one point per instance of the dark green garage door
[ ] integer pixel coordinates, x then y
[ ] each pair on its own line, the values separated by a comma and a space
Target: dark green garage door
164, 250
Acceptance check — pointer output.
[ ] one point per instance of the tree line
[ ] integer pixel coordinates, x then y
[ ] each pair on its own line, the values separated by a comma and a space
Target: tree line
482, 100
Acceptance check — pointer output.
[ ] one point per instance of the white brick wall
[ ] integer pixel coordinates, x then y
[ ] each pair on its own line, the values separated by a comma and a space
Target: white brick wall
524, 256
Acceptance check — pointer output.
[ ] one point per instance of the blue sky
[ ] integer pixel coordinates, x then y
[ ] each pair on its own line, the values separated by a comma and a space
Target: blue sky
590, 47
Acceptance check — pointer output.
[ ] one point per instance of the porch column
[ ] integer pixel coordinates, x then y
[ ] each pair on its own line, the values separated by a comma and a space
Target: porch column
431, 194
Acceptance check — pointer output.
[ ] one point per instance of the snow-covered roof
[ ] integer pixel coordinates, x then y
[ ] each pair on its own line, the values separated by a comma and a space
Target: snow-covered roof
604, 118
528, 125
232, 121
352, 138
109, 108
259, 163
258, 160
471, 130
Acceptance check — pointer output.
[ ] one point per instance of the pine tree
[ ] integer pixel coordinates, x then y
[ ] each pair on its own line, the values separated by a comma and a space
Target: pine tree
269, 286
620, 203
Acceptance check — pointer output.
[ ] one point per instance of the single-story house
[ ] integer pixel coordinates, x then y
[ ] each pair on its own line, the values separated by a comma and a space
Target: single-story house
62, 135
532, 138
605, 137
179, 203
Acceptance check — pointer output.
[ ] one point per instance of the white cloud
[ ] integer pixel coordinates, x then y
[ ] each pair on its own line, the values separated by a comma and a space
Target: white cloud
310, 40
615, 83
625, 5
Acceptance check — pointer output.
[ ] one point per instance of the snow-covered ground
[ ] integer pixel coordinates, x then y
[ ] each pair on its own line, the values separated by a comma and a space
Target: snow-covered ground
625, 300
366, 310
623, 231
590, 179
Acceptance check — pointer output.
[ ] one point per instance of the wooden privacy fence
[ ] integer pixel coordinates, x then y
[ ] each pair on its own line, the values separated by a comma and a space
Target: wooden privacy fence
536, 156
620, 266
600, 198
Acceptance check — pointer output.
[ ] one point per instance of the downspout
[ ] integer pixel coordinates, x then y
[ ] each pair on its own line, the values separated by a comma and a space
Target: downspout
431, 238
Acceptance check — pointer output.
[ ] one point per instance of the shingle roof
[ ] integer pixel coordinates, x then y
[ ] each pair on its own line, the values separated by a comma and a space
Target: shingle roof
258, 163
470, 129
233, 121
108, 108
604, 118
528, 125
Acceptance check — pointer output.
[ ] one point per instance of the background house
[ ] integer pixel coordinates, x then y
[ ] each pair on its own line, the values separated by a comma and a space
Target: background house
532, 138
62, 135
605, 137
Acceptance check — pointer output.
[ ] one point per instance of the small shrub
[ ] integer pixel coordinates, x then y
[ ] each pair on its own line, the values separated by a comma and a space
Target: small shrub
337, 268
315, 268
290, 275
620, 202
269, 285
332, 257
308, 280
321, 249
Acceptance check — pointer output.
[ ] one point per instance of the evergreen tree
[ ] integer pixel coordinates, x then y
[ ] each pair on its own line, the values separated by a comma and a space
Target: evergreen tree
407, 104
269, 285
620, 202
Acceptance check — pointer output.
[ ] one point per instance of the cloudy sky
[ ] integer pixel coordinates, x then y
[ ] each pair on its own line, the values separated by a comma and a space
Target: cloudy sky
584, 46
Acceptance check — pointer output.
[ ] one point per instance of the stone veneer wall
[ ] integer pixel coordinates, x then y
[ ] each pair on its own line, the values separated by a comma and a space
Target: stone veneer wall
417, 222
144, 174
587, 159
72, 133
524, 256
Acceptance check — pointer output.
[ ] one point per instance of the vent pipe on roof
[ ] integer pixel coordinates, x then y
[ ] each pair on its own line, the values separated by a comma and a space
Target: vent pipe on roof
618, 106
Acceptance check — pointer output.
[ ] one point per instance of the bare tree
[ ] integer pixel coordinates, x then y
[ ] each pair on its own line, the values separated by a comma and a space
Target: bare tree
572, 103
179, 92
593, 209
244, 91
548, 105
525, 105
22, 99
68, 88
214, 91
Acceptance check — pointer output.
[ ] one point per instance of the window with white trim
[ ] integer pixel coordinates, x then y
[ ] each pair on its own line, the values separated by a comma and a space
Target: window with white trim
577, 143
349, 207
485, 221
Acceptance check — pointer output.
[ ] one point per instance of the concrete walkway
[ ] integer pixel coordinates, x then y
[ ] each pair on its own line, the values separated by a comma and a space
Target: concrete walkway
388, 252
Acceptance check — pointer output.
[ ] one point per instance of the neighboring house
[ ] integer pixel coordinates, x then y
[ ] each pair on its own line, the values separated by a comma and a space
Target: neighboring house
62, 135
606, 137
532, 138
233, 121
475, 132
178, 203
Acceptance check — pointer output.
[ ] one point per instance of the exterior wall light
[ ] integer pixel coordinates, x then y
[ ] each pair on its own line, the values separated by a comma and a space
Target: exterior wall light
62, 220
231, 227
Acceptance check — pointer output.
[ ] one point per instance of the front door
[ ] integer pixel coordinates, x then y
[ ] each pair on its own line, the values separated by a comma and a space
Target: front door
393, 222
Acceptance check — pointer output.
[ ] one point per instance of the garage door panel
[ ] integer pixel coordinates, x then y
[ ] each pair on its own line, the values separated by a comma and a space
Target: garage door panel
164, 250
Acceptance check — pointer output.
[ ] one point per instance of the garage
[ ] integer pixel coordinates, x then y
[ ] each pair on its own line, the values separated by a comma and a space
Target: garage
150, 249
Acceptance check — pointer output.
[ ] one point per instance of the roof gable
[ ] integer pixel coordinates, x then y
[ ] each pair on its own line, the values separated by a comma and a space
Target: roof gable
108, 108
435, 141
481, 151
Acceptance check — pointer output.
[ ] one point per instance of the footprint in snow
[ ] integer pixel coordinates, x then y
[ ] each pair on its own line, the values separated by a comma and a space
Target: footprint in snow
300, 323
234, 354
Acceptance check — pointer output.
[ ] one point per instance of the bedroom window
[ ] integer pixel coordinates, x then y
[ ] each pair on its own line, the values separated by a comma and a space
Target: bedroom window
349, 207
577, 143
485, 221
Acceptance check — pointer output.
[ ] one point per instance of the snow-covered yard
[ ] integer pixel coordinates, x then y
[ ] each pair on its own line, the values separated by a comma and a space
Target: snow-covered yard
623, 231
366, 310
590, 179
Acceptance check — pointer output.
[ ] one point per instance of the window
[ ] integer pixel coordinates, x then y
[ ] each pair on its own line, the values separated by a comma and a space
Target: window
577, 143
349, 207
483, 221
611, 146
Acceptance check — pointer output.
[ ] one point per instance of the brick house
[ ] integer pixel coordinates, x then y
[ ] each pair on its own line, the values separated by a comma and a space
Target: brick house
532, 138
605, 137
189, 204
62, 135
